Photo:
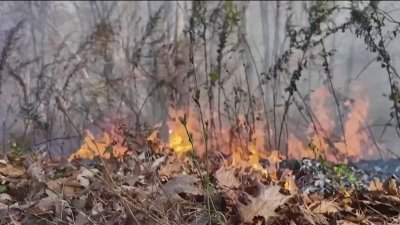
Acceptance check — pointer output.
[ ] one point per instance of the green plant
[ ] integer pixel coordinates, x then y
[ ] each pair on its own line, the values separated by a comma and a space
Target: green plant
207, 185
344, 171
3, 188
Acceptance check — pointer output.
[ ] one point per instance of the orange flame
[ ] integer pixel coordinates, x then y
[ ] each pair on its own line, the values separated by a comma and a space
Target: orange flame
102, 147
248, 150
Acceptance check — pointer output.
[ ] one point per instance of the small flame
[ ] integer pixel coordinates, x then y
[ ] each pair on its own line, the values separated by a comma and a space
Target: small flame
102, 148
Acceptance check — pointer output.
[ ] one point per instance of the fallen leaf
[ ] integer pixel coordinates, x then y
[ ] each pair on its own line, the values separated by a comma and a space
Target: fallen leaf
49, 203
85, 175
309, 216
10, 171
158, 162
375, 185
60, 188
97, 209
182, 184
345, 222
264, 204
36, 171
324, 206
390, 186
81, 219
172, 165
226, 177
5, 198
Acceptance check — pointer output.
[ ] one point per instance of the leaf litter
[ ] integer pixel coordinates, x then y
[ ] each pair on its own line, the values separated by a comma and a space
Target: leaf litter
154, 185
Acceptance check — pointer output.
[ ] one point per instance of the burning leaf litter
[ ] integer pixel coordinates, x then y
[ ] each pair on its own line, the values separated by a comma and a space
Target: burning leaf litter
158, 183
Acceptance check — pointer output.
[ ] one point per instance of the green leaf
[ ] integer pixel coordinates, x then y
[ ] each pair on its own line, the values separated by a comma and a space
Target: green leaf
109, 149
213, 76
3, 188
191, 139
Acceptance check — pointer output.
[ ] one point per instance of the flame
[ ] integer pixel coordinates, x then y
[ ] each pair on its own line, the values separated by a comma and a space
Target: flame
322, 129
323, 136
102, 147
356, 138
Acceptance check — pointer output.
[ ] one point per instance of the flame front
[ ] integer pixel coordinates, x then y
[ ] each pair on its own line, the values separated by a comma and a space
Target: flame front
324, 136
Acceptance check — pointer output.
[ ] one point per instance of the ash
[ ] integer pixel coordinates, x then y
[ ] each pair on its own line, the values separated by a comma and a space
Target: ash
316, 176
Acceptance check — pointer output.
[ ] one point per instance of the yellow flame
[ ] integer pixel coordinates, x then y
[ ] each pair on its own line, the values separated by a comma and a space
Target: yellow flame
92, 148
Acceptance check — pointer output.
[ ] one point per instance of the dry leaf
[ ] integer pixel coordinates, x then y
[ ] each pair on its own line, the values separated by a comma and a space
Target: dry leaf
158, 162
36, 171
375, 185
390, 186
10, 171
5, 198
226, 177
264, 205
173, 165
324, 206
85, 175
345, 222
81, 219
183, 184
48, 203
60, 188
309, 216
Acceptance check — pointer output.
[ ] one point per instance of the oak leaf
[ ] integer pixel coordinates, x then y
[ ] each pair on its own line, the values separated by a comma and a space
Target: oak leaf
182, 184
226, 177
324, 206
264, 204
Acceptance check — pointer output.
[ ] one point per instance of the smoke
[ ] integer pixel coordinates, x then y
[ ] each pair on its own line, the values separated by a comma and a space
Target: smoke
55, 53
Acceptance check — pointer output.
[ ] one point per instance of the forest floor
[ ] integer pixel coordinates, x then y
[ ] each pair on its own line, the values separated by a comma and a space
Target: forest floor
155, 185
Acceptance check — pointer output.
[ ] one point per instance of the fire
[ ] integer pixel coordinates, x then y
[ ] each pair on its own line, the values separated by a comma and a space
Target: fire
321, 132
323, 137
356, 139
324, 134
102, 147
179, 137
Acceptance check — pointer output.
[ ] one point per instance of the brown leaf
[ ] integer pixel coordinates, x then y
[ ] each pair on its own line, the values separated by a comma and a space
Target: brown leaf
356, 217
173, 165
324, 206
345, 222
49, 203
9, 170
311, 217
375, 185
59, 187
226, 177
85, 175
183, 184
264, 204
390, 186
